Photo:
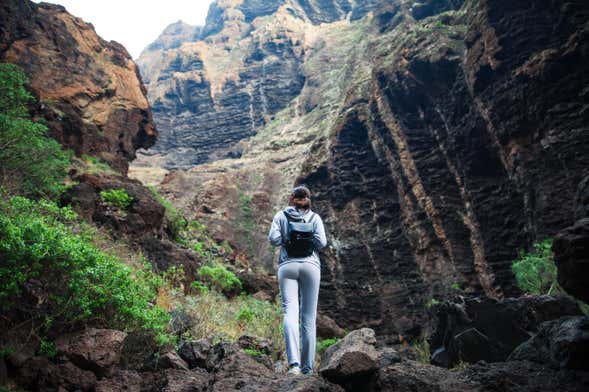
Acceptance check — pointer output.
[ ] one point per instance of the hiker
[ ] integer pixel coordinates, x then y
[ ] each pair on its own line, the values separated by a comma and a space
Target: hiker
300, 233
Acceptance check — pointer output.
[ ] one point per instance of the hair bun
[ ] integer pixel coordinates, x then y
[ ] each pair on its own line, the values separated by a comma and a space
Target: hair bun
301, 192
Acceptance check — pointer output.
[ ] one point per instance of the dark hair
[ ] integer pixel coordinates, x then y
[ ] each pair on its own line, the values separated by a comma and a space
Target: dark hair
300, 192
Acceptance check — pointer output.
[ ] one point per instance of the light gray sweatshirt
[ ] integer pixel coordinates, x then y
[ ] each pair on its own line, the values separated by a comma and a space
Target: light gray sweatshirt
277, 234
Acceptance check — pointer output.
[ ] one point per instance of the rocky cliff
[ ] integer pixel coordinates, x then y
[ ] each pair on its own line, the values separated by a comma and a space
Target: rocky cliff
438, 139
90, 91
228, 79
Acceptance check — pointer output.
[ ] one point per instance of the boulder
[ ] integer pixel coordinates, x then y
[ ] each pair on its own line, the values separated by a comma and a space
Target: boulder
328, 328
195, 353
522, 376
171, 360
562, 343
410, 376
352, 360
220, 351
255, 343
39, 373
138, 352
571, 256
474, 329
98, 350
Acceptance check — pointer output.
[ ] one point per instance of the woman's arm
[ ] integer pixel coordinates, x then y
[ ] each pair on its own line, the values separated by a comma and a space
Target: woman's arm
319, 240
275, 236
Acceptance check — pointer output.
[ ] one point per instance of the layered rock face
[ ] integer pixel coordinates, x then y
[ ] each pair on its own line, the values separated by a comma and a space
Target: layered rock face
228, 79
473, 133
438, 138
90, 90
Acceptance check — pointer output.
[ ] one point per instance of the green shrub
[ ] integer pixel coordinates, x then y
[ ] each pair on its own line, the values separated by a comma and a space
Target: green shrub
79, 281
322, 345
245, 315
32, 163
47, 348
220, 278
535, 271
116, 197
199, 286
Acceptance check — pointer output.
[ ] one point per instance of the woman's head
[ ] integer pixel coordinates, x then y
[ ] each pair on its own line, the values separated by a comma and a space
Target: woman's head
300, 197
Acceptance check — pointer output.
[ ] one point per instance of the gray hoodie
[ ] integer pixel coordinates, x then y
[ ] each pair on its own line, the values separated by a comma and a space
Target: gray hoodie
277, 234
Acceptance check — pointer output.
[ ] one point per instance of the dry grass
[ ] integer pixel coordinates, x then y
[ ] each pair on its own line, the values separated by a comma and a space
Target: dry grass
211, 314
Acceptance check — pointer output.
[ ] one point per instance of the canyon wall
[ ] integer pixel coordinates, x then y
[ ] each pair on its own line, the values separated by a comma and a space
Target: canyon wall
90, 91
229, 78
438, 139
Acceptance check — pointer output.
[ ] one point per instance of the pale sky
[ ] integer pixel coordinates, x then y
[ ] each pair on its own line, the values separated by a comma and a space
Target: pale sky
135, 23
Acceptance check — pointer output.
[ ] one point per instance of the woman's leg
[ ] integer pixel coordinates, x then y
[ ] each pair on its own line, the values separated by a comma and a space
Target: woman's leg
289, 292
309, 278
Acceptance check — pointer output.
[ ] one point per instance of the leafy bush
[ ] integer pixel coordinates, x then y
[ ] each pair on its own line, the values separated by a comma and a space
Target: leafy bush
220, 278
535, 271
31, 163
79, 282
245, 315
199, 286
117, 197
322, 345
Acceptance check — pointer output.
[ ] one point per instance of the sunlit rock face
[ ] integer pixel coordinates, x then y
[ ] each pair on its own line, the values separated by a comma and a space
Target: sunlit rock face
90, 90
438, 138
229, 78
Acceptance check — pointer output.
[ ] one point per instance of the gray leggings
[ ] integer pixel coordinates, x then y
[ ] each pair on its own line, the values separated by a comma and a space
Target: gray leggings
305, 276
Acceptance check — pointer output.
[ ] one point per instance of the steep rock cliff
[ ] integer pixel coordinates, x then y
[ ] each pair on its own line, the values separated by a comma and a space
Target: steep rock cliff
90, 90
438, 139
223, 84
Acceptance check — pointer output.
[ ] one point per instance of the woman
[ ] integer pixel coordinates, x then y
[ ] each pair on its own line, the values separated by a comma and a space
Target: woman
300, 233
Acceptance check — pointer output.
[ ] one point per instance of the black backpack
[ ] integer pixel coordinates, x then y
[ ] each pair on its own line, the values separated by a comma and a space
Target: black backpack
299, 236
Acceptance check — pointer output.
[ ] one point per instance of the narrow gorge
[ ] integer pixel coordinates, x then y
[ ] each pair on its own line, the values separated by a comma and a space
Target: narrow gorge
442, 140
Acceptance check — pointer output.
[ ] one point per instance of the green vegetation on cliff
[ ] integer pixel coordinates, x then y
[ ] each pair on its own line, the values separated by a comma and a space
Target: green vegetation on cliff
535, 271
30, 162
48, 254
53, 275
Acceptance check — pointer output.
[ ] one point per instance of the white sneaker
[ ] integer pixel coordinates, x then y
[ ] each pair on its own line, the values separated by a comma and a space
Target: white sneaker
294, 370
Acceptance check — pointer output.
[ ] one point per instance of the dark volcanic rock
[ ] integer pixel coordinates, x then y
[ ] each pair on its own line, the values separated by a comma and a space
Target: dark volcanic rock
98, 350
409, 376
352, 361
489, 330
515, 376
475, 130
195, 353
327, 328
561, 343
571, 255
90, 91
